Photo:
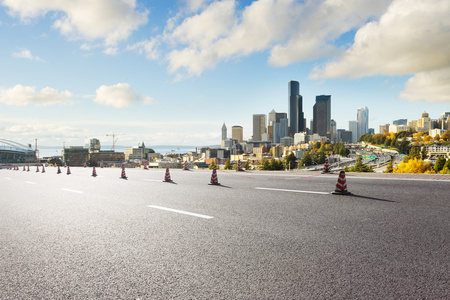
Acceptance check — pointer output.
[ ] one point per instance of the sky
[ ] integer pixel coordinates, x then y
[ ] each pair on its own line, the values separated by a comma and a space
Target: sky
172, 72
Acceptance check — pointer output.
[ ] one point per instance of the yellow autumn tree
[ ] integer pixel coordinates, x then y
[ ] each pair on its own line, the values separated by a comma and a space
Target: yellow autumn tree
414, 166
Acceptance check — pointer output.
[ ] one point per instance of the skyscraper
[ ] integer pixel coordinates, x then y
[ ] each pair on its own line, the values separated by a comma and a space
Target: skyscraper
259, 126
224, 132
296, 116
363, 122
237, 133
353, 127
322, 116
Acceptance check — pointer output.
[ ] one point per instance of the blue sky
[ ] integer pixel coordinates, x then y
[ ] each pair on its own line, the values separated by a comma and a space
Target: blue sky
171, 72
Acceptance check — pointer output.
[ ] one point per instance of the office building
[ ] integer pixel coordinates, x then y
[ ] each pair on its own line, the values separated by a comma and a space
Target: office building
224, 132
296, 116
363, 122
322, 116
237, 133
333, 137
280, 130
259, 126
353, 128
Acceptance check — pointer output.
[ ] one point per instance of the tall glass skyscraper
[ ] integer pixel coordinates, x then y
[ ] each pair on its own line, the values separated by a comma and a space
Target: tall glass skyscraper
363, 121
296, 116
322, 116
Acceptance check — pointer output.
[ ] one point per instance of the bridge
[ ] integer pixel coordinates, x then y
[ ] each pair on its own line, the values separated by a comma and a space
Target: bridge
13, 152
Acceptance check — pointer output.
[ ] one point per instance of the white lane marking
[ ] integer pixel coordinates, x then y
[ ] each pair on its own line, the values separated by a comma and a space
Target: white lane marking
73, 191
153, 180
30, 182
294, 191
7, 178
181, 212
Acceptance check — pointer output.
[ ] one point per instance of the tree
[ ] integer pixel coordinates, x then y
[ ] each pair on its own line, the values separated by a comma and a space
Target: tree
321, 159
228, 165
360, 167
265, 165
424, 153
389, 168
306, 159
439, 165
290, 160
247, 165
414, 166
446, 136
213, 165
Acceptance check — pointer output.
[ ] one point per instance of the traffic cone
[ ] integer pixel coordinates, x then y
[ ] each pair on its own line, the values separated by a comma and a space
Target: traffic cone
326, 167
59, 170
185, 166
145, 166
85, 165
101, 165
94, 173
28, 170
23, 169
43, 169
214, 180
167, 176
123, 176
239, 166
341, 185
37, 169
68, 170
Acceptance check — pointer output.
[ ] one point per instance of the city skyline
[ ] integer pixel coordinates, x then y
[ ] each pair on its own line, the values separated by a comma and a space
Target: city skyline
172, 72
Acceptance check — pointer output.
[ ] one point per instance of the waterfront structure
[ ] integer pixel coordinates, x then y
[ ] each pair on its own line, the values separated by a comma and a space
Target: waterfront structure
353, 128
237, 133
259, 126
296, 116
363, 122
322, 116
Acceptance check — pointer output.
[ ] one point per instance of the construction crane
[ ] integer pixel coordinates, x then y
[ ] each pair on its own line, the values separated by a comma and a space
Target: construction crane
114, 139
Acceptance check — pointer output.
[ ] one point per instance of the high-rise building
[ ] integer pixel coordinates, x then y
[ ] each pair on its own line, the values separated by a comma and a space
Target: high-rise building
224, 132
237, 133
363, 122
259, 126
322, 116
333, 137
296, 116
280, 130
353, 128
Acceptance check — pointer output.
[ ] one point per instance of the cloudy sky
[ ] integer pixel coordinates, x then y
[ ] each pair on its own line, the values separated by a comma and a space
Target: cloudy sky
171, 72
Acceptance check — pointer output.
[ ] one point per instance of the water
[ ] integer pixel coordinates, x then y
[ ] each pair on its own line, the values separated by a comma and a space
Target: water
46, 151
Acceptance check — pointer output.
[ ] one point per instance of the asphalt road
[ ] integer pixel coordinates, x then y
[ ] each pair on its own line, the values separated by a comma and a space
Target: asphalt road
259, 235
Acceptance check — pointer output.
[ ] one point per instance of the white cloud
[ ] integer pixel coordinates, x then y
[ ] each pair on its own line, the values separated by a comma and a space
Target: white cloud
25, 53
120, 95
149, 47
431, 86
291, 30
109, 20
22, 95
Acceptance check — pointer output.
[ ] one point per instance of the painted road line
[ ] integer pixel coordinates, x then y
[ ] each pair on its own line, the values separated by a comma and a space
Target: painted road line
73, 191
30, 182
293, 191
180, 212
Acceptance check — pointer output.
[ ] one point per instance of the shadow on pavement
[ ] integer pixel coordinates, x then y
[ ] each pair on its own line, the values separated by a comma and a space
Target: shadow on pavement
371, 198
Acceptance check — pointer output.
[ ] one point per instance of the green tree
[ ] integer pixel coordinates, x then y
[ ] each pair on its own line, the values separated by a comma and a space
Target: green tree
321, 159
390, 167
306, 159
414, 153
247, 165
424, 152
290, 160
228, 165
439, 165
213, 165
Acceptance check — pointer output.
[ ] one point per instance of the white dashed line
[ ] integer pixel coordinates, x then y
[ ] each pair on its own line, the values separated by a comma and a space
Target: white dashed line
73, 191
292, 191
30, 182
180, 212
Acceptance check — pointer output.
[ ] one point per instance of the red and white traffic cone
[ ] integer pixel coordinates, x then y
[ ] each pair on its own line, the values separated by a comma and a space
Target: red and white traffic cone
239, 166
326, 167
85, 165
59, 170
167, 176
341, 185
123, 176
23, 169
28, 169
145, 166
43, 169
37, 169
68, 170
214, 179
185, 166
94, 173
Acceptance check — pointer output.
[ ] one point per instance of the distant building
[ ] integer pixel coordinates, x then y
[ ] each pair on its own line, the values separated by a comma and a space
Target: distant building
287, 141
224, 132
237, 133
259, 126
371, 131
347, 137
444, 121
296, 116
353, 128
363, 122
333, 137
138, 152
75, 156
280, 130
384, 128
94, 145
322, 116
300, 138
400, 122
